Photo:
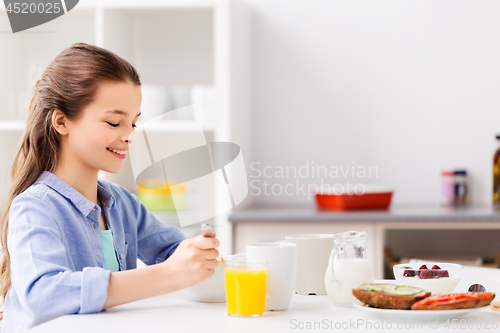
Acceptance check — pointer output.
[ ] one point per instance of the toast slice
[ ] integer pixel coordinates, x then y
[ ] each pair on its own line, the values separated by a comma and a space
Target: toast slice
389, 296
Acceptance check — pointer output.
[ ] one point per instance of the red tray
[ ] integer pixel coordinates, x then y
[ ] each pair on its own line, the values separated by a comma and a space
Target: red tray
378, 200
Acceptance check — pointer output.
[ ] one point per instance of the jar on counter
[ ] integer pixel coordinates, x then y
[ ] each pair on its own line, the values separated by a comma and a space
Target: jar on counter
496, 178
447, 188
461, 187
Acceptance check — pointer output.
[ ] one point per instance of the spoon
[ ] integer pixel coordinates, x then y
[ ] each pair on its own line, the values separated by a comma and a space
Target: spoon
477, 287
206, 230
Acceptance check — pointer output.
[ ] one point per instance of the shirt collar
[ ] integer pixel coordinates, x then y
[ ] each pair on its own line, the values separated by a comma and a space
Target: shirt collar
79, 201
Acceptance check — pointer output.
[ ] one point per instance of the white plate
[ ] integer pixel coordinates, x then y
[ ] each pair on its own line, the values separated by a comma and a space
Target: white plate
414, 315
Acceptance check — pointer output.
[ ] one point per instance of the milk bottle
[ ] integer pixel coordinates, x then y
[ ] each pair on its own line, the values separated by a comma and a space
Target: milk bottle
347, 267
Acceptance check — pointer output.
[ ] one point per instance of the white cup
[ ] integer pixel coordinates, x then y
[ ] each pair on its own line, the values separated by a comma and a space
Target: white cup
313, 253
281, 261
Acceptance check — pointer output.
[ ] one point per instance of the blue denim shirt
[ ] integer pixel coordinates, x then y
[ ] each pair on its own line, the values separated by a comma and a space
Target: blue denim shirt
55, 248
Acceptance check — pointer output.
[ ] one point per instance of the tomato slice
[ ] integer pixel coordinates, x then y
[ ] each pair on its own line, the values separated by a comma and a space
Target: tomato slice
450, 298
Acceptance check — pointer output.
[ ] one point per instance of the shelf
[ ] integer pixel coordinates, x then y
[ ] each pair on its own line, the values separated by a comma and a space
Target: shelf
12, 125
180, 126
167, 126
190, 230
171, 218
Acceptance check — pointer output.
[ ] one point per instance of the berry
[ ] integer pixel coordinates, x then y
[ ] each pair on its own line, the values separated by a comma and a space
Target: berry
436, 267
409, 273
426, 274
423, 267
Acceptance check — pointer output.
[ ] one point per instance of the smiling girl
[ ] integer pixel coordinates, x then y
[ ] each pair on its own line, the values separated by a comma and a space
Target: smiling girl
70, 241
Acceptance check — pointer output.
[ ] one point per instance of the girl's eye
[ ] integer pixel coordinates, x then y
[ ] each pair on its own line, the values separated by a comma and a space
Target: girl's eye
114, 125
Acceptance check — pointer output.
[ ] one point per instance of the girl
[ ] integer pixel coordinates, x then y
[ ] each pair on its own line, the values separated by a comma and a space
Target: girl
70, 242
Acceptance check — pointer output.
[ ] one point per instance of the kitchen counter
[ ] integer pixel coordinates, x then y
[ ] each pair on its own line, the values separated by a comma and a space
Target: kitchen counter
175, 312
468, 233
396, 214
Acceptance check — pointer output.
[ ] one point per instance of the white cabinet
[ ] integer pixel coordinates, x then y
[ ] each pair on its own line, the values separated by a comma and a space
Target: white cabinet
175, 44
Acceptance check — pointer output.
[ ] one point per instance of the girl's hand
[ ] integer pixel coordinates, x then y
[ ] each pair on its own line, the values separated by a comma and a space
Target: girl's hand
193, 261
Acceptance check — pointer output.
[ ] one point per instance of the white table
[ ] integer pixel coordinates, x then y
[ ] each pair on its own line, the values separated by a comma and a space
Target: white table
175, 312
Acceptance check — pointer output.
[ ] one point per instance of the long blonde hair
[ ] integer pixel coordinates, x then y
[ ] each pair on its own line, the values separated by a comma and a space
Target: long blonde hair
68, 84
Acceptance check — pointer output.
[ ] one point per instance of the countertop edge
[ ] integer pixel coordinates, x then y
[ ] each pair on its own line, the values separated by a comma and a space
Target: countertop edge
412, 214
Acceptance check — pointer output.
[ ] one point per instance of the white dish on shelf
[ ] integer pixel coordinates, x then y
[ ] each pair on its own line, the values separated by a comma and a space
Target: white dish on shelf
414, 315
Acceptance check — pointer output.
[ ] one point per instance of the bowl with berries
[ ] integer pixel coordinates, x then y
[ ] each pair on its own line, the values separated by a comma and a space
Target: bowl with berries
438, 278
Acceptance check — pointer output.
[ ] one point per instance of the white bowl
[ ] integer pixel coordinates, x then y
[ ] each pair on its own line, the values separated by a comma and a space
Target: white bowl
436, 285
210, 290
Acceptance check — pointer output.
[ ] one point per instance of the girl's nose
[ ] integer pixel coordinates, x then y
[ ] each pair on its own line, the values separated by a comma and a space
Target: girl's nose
131, 137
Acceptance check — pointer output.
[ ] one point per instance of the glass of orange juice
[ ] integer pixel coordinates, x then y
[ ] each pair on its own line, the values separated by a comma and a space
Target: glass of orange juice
245, 286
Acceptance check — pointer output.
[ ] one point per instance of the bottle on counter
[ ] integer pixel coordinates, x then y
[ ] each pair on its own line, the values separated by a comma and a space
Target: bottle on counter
460, 187
496, 178
447, 188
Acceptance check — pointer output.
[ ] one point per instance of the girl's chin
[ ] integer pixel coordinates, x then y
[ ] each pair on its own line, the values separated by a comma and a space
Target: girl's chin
115, 169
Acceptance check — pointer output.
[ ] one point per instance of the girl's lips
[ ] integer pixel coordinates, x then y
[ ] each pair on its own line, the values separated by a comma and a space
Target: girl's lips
122, 149
120, 156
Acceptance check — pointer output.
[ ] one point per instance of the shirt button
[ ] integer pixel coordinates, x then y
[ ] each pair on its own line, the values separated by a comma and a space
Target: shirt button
94, 225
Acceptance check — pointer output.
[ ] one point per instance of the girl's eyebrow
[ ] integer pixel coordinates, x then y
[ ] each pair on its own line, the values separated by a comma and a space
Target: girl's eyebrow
123, 113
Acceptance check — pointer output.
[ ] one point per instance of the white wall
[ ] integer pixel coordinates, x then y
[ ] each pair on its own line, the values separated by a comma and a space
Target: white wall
411, 87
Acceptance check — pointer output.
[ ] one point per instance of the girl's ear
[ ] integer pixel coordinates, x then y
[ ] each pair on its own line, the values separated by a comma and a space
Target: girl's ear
60, 122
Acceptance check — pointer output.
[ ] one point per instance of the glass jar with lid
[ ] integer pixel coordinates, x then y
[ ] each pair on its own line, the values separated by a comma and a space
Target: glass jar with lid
447, 188
461, 188
496, 177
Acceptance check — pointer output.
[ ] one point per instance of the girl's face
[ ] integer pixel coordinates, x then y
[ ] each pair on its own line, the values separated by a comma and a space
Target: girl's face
100, 137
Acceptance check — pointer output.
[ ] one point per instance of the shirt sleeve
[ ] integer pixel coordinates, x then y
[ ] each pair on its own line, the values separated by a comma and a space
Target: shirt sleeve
40, 273
156, 241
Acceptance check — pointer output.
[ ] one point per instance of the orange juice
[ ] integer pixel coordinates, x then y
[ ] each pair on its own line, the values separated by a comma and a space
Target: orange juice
245, 290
